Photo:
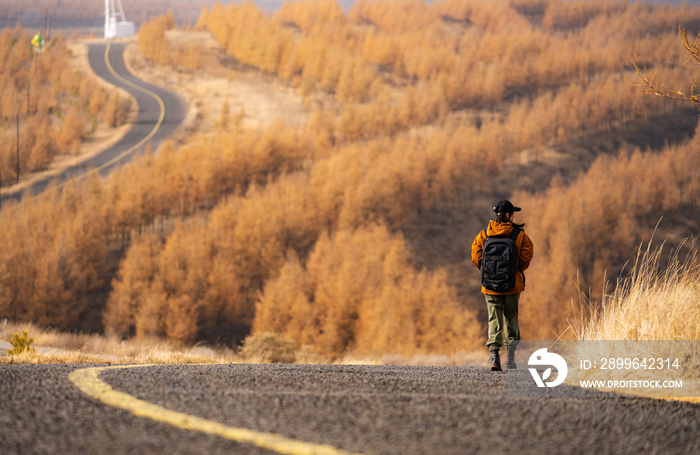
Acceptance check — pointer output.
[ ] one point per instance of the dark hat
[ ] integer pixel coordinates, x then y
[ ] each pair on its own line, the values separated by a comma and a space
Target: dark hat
505, 206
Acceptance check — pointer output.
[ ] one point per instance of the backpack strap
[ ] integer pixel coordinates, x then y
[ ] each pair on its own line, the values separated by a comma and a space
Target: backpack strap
514, 234
486, 232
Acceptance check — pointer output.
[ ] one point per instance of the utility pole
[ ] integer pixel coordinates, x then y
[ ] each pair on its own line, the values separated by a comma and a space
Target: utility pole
17, 147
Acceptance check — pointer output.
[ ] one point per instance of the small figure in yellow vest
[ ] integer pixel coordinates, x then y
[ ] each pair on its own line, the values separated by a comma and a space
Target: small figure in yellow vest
38, 41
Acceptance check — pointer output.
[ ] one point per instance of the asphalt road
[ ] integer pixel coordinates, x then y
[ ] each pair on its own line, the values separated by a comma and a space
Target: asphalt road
174, 108
357, 409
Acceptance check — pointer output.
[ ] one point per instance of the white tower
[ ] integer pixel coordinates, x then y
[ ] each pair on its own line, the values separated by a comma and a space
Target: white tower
116, 25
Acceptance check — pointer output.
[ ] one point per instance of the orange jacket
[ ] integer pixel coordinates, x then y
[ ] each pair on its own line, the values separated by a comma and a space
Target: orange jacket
522, 243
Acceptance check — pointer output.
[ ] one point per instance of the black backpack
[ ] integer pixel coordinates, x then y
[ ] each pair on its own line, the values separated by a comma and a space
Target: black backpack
499, 263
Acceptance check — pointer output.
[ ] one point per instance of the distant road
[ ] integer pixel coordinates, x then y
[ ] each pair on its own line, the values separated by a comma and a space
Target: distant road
161, 112
331, 409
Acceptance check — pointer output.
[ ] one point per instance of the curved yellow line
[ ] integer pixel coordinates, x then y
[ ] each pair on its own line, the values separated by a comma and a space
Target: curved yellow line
88, 381
143, 141
144, 90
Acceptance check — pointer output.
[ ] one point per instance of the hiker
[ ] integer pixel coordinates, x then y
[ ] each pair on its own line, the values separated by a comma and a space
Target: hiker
502, 252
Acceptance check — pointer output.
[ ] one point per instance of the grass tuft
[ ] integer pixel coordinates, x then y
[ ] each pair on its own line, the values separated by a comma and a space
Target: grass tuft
651, 303
268, 348
21, 343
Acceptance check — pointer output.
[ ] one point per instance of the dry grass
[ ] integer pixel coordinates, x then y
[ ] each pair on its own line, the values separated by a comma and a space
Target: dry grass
273, 348
477, 358
653, 304
150, 354
58, 347
72, 348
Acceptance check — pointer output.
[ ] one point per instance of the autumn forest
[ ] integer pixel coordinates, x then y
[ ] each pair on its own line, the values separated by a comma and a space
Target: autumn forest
352, 233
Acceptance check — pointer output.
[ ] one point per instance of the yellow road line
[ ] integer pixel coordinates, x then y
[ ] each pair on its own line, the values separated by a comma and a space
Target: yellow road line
143, 141
88, 381
144, 90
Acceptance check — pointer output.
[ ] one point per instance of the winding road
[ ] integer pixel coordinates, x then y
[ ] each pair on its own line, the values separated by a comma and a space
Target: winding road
331, 409
160, 113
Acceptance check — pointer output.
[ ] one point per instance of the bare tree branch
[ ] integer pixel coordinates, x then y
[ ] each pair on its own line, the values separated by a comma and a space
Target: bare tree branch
651, 85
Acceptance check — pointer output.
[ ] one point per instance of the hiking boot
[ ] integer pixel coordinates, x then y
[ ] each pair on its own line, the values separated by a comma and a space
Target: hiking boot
495, 361
510, 363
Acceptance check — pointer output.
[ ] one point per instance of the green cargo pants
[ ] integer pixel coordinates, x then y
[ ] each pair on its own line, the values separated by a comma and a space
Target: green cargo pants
498, 307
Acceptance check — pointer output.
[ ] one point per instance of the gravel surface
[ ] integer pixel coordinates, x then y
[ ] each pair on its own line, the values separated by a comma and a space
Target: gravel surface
366, 409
